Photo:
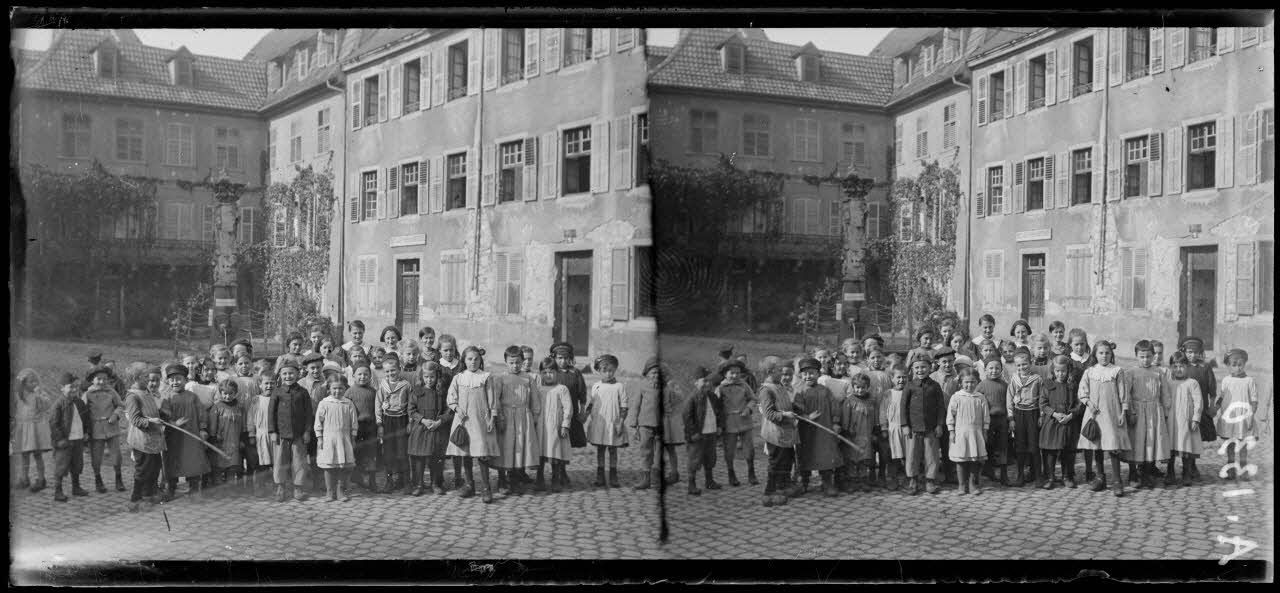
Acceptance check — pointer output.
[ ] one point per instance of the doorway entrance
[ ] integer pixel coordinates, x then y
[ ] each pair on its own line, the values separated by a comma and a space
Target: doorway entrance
407, 273
1033, 288
573, 300
1198, 294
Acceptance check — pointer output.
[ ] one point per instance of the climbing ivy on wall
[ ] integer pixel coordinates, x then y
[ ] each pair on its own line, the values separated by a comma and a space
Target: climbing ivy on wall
918, 257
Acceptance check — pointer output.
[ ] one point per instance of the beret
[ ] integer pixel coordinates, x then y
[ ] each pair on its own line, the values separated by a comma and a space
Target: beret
810, 363
176, 369
943, 351
155, 370
651, 364
99, 370
289, 363
66, 378
1191, 340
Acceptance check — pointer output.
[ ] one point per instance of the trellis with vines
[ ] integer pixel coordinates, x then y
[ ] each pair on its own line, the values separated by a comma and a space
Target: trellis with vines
918, 258
294, 258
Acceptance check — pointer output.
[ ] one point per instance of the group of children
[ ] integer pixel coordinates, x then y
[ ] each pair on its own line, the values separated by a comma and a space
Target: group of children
346, 413
954, 409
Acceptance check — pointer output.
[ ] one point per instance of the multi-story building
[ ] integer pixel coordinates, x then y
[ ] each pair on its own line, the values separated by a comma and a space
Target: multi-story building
1123, 182
799, 111
931, 122
496, 191
303, 107
169, 116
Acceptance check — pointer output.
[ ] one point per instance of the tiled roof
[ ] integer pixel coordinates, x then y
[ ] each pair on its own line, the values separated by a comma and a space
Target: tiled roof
900, 41
376, 38
998, 36
277, 42
25, 59
144, 74
920, 84
655, 54
694, 63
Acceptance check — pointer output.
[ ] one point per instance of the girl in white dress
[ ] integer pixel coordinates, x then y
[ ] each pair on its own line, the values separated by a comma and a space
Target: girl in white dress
1104, 393
1184, 412
967, 422
1237, 394
557, 414
606, 411
335, 429
473, 399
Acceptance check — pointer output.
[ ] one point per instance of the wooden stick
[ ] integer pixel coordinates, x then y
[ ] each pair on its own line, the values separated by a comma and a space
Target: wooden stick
831, 432
196, 437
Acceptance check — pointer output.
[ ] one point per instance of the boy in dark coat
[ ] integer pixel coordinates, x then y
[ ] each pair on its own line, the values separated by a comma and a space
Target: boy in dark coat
289, 422
69, 427
818, 449
703, 422
925, 416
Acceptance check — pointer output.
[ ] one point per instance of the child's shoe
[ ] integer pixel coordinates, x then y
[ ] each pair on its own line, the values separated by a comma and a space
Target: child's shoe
649, 476
895, 484
693, 487
23, 483
467, 490
674, 478
600, 481
279, 493
751, 475
38, 485
962, 489
57, 493
1118, 489
1231, 475
133, 506
933, 487
1099, 484
1186, 477
418, 490
76, 490
1048, 485
733, 478
613, 478
119, 481
1070, 482
300, 494
1170, 480
342, 491
98, 486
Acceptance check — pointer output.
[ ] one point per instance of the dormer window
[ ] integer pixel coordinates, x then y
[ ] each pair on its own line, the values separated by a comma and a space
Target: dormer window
180, 69
273, 76
303, 59
808, 63
106, 60
733, 55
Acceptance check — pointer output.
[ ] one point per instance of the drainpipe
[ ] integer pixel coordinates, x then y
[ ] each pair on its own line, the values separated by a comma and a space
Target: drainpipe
479, 127
342, 220
968, 220
1106, 156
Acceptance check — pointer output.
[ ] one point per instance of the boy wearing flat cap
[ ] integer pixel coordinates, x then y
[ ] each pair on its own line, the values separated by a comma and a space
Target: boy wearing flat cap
738, 399
145, 411
69, 428
946, 378
646, 422
703, 423
289, 424
185, 456
105, 411
818, 449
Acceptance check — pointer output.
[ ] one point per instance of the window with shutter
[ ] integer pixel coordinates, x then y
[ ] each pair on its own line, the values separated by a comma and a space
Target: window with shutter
511, 163
1079, 283
1244, 279
1136, 157
619, 285
996, 95
488, 166
995, 190
457, 70
600, 157
529, 176
456, 173
1157, 50
1177, 47
1201, 156
620, 167
1019, 188
577, 161
1133, 278
1099, 69
532, 52
1137, 52
369, 191
492, 49
356, 95
1173, 161
982, 101
1155, 172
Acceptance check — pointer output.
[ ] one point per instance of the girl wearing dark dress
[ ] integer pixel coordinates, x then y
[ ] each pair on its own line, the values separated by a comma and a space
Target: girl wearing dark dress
429, 422
1058, 405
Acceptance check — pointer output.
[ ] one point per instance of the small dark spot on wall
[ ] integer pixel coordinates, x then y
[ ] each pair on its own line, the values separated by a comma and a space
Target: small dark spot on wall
1168, 90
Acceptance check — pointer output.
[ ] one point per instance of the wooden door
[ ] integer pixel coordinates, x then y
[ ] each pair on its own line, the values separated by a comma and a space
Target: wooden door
1033, 289
1199, 293
407, 274
573, 300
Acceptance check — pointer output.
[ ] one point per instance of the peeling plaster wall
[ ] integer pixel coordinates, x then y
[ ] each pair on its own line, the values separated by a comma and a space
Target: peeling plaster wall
602, 89
1232, 85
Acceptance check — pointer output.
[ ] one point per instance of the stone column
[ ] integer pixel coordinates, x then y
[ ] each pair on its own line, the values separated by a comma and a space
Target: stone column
226, 314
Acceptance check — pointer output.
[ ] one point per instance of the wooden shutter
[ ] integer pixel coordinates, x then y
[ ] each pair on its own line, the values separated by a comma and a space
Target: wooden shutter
356, 116
473, 179
1066, 63
1245, 278
982, 100
1098, 176
1048, 182
500, 279
1139, 278
487, 168
473, 64
1010, 80
600, 45
395, 105
1099, 60
1157, 50
551, 49
531, 52
550, 153
1006, 181
393, 192
1224, 155
491, 58
1019, 187
424, 82
1247, 171
624, 43
529, 177
980, 204
354, 199
1177, 47
620, 165
619, 284
1115, 62
1126, 277
383, 79
515, 279
1155, 164
1173, 161
1226, 40
1248, 36
381, 195
424, 185
438, 71
437, 184
1050, 77
600, 156
1064, 173
1020, 90
1115, 158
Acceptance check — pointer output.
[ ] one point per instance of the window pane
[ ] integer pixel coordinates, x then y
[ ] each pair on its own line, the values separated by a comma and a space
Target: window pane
644, 302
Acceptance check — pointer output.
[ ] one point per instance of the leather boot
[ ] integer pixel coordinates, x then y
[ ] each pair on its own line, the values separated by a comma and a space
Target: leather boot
693, 486
119, 481
646, 481
485, 495
98, 486
38, 485
600, 481
390, 486
613, 478
711, 484
341, 489
76, 490
733, 477
57, 492
828, 484
555, 485
751, 474
467, 490
504, 487
674, 478
540, 483
280, 495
